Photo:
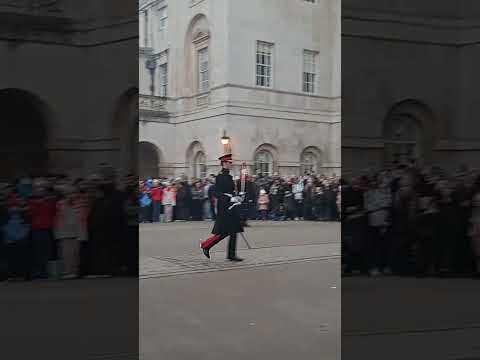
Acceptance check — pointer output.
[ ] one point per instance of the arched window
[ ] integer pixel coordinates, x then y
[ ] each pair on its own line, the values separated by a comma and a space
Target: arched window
264, 162
408, 132
402, 142
309, 162
198, 57
199, 166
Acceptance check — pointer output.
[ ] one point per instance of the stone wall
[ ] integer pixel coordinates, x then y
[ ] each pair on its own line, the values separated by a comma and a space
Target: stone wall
83, 116
397, 51
282, 117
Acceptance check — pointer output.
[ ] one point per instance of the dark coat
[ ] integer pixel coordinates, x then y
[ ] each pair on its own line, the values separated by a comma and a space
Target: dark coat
107, 224
228, 221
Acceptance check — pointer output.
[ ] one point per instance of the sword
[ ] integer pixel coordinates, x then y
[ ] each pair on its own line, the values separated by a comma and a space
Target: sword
243, 177
236, 201
246, 242
236, 204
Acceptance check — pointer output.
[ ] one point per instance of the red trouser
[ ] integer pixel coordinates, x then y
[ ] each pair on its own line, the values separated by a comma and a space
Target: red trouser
212, 241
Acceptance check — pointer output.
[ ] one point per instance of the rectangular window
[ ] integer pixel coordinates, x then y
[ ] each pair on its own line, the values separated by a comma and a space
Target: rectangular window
309, 71
203, 76
162, 18
147, 34
311, 1
163, 80
264, 64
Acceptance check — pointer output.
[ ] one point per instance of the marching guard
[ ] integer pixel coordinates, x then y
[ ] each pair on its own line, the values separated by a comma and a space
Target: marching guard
228, 222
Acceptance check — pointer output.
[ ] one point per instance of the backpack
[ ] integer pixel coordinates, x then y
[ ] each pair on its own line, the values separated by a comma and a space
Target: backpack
145, 200
15, 229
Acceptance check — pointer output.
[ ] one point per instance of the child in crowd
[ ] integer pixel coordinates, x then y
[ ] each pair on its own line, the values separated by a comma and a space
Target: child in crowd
15, 232
67, 232
263, 201
169, 202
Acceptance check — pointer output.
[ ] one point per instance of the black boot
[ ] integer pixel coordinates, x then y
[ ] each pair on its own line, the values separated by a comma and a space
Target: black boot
232, 248
235, 259
206, 252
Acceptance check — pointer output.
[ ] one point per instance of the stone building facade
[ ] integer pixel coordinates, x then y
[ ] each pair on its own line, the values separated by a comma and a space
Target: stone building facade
53, 119
410, 70
264, 73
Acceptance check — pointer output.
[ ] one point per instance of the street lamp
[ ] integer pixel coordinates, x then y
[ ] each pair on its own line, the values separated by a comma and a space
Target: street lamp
225, 142
151, 65
225, 138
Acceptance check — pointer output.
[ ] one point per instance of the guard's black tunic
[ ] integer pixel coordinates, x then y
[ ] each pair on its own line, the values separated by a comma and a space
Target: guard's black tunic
228, 221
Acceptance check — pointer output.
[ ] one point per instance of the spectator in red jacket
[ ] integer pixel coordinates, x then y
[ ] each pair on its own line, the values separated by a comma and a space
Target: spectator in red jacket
41, 209
156, 194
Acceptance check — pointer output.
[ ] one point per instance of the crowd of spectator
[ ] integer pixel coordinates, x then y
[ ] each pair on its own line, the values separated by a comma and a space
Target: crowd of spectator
413, 221
56, 227
278, 198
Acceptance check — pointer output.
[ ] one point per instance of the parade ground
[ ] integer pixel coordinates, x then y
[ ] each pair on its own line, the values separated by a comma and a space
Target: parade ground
282, 302
408, 318
90, 319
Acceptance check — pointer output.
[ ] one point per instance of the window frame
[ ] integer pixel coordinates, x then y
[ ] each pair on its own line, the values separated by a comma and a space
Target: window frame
313, 166
163, 21
258, 165
310, 87
200, 167
270, 66
163, 79
146, 28
200, 83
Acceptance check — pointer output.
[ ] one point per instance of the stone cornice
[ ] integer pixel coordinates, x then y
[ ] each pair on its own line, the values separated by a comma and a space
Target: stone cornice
442, 145
190, 108
201, 37
147, 51
195, 2
57, 30
153, 116
34, 8
409, 27
144, 5
258, 88
458, 145
435, 9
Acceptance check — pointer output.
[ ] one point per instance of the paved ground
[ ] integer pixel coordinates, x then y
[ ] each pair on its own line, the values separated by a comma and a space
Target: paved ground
74, 320
283, 302
408, 318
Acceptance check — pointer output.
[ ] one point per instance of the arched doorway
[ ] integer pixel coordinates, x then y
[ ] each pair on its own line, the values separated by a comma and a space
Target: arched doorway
149, 160
23, 134
125, 132
405, 133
